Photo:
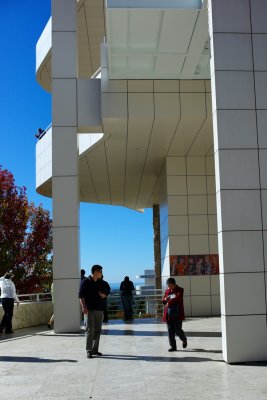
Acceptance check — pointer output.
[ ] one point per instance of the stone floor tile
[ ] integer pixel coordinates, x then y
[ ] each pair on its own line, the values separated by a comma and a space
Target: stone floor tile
36, 364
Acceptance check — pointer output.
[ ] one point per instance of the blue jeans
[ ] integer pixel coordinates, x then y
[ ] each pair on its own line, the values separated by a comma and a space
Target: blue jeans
93, 329
127, 302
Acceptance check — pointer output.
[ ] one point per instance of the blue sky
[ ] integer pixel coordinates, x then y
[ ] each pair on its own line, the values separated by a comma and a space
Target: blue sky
119, 239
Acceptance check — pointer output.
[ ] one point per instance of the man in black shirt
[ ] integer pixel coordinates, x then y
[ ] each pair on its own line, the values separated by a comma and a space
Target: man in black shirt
92, 302
83, 316
126, 289
82, 275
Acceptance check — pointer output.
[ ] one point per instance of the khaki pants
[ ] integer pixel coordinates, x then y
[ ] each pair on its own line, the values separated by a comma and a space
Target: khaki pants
93, 329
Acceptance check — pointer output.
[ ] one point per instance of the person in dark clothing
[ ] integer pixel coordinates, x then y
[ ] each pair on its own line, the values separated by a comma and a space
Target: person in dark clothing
174, 313
126, 289
40, 133
8, 296
105, 288
91, 299
83, 317
82, 275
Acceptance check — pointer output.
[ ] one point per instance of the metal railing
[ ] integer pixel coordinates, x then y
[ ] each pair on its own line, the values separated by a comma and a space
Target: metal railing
146, 303
44, 131
34, 297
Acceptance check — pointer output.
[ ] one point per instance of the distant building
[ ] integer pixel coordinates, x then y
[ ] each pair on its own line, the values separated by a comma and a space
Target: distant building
148, 289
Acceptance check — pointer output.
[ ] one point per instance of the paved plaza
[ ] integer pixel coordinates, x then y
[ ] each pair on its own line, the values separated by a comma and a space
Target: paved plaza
37, 364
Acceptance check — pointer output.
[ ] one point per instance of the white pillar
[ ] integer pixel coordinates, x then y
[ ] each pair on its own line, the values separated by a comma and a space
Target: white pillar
189, 229
238, 33
65, 180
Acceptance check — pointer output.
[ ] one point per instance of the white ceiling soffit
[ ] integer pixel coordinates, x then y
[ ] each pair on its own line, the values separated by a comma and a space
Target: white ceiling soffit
156, 39
170, 118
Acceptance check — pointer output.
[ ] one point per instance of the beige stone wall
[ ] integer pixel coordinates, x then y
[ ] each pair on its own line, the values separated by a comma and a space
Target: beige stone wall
30, 314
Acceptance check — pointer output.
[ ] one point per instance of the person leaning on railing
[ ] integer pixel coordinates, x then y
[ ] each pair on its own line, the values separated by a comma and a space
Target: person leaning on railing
8, 296
40, 133
126, 289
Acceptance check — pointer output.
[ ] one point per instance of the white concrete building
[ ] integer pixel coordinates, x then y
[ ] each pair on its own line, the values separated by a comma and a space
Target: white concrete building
178, 118
148, 289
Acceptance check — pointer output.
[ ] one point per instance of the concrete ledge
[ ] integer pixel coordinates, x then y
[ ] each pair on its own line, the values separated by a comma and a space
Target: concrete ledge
30, 314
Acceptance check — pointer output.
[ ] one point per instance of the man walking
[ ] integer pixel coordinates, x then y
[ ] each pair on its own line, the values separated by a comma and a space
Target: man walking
174, 313
92, 302
8, 296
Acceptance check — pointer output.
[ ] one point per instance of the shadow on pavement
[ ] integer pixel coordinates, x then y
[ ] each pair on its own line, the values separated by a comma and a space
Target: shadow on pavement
134, 332
33, 359
157, 358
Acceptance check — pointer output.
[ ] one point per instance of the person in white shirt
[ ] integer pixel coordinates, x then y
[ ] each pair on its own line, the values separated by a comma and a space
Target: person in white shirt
8, 296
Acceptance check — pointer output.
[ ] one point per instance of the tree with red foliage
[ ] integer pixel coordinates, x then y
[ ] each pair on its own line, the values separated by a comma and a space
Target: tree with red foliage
25, 238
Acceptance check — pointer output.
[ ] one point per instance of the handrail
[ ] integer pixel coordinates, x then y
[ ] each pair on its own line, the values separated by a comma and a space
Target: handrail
115, 293
48, 127
35, 297
44, 131
95, 73
146, 302
142, 288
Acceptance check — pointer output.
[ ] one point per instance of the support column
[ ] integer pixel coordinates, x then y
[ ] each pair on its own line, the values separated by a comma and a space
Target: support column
238, 34
157, 252
65, 156
189, 244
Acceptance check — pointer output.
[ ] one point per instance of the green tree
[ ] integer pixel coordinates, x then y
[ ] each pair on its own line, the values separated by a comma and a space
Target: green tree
25, 237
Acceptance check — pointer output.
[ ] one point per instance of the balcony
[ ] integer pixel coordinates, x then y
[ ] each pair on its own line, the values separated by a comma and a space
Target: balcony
91, 33
43, 57
44, 157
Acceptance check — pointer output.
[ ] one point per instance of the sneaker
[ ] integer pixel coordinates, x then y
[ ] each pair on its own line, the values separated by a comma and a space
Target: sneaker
185, 344
172, 349
89, 354
8, 332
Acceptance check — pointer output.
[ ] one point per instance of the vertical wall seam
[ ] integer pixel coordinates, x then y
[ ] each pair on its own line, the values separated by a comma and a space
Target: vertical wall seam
148, 145
257, 131
126, 141
188, 236
207, 205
